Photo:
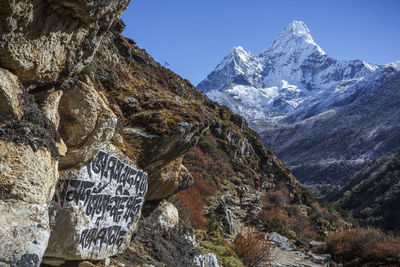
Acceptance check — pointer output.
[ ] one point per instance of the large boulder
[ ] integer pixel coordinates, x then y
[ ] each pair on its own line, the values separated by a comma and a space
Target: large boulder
167, 215
169, 180
27, 182
96, 208
86, 123
161, 157
160, 150
42, 41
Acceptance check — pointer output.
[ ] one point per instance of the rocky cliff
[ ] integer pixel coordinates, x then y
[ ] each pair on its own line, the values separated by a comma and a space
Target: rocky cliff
92, 128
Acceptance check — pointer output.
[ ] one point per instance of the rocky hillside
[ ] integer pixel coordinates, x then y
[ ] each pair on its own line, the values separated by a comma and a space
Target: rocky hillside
372, 195
159, 112
323, 117
92, 130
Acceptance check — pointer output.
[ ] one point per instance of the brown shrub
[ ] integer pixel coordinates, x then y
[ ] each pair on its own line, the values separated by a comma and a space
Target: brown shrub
386, 249
254, 249
266, 214
320, 212
193, 198
193, 203
369, 244
302, 226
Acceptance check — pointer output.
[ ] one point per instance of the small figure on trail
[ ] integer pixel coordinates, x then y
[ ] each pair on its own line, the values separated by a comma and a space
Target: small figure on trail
256, 185
240, 193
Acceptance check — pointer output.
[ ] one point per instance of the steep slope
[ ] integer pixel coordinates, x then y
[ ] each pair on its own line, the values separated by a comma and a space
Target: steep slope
94, 130
373, 194
331, 145
152, 101
325, 118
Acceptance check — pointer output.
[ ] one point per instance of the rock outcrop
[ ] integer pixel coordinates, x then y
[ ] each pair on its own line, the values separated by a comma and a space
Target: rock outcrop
86, 123
43, 45
25, 191
68, 93
28, 174
9, 91
44, 41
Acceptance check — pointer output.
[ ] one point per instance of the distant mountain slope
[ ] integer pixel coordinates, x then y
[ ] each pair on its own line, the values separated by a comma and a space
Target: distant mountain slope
333, 144
373, 194
325, 118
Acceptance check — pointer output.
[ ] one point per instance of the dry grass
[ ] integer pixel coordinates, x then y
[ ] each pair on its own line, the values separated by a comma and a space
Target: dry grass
254, 249
369, 244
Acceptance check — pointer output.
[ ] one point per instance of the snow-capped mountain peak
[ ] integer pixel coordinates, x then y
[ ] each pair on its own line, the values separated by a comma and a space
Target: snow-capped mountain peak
296, 29
289, 76
325, 117
237, 55
295, 41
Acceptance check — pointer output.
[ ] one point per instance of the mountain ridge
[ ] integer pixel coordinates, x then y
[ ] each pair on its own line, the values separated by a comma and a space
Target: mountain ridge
292, 87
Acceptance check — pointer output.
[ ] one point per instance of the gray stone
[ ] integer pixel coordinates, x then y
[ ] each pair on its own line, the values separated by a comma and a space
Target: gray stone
24, 233
316, 243
130, 101
206, 260
319, 258
168, 216
96, 208
280, 241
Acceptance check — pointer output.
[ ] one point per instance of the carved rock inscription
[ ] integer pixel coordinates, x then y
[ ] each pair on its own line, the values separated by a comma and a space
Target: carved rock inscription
103, 201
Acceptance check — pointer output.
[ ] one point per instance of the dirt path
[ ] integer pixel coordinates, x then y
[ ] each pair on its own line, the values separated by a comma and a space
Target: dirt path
284, 258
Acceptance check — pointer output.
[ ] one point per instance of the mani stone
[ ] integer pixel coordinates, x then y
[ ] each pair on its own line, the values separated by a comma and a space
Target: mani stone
95, 209
27, 182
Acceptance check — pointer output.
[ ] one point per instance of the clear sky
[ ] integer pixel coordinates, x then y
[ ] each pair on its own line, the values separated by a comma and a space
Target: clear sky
194, 35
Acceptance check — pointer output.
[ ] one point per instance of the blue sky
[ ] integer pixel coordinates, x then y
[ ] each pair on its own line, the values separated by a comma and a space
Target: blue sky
194, 36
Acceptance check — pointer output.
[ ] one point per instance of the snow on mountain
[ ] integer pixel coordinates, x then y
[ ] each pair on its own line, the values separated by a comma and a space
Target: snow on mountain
293, 72
325, 118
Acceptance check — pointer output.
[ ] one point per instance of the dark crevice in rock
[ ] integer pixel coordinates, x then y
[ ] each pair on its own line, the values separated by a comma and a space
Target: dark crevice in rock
6, 192
33, 129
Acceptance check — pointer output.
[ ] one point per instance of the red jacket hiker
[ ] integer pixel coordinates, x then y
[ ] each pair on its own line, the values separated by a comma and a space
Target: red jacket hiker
256, 183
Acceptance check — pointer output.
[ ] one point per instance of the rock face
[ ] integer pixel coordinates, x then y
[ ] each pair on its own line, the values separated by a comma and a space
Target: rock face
25, 191
170, 179
9, 91
43, 41
96, 209
168, 215
86, 123
206, 260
